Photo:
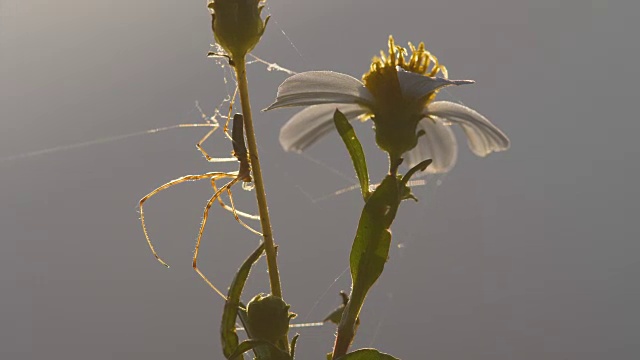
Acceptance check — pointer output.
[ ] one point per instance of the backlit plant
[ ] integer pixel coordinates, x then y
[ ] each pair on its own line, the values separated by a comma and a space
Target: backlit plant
398, 95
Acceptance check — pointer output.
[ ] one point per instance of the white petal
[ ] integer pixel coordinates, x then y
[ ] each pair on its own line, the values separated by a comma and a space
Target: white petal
438, 143
321, 87
416, 86
483, 137
307, 126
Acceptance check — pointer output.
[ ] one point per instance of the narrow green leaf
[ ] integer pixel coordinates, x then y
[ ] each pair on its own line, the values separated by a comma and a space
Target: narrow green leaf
369, 253
371, 244
228, 334
294, 341
422, 166
354, 147
367, 354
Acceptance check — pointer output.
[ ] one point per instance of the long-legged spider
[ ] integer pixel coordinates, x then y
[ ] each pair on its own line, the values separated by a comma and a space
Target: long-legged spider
240, 154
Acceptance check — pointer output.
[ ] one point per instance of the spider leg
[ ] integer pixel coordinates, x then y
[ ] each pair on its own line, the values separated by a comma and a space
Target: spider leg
226, 124
206, 155
230, 209
205, 216
235, 212
209, 175
213, 123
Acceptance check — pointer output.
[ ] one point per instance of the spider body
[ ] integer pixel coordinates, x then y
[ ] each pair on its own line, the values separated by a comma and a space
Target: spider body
240, 148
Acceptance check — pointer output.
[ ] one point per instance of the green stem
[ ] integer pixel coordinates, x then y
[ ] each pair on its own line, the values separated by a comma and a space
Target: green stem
347, 326
265, 222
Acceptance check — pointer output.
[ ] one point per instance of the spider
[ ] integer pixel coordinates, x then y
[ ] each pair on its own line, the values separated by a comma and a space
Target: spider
241, 155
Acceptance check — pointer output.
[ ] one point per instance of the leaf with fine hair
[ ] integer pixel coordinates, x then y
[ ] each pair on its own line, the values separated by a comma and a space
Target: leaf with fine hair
354, 147
371, 244
228, 334
422, 166
294, 341
369, 254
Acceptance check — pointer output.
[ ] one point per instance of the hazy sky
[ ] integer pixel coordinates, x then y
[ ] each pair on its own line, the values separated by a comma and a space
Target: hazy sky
528, 254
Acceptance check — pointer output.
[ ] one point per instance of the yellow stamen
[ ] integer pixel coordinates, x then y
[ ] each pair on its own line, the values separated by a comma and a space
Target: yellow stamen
396, 115
421, 61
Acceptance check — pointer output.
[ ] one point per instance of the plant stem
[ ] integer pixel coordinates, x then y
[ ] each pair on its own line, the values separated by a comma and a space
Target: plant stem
270, 248
347, 326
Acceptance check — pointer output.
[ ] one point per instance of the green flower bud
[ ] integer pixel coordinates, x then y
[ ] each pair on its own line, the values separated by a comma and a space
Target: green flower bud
269, 317
237, 25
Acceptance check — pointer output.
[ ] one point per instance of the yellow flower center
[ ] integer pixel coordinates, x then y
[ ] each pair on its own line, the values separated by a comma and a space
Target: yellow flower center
382, 79
396, 117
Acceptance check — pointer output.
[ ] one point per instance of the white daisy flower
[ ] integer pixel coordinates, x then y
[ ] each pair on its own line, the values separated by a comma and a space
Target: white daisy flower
397, 95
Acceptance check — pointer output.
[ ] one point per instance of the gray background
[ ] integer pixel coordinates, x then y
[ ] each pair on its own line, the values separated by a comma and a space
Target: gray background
528, 254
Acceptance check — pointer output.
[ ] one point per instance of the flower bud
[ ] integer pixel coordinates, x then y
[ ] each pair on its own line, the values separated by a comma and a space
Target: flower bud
237, 25
269, 317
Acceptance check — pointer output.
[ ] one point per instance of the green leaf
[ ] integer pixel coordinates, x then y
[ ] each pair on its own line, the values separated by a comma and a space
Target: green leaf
354, 147
294, 341
367, 354
228, 334
422, 166
369, 253
370, 248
